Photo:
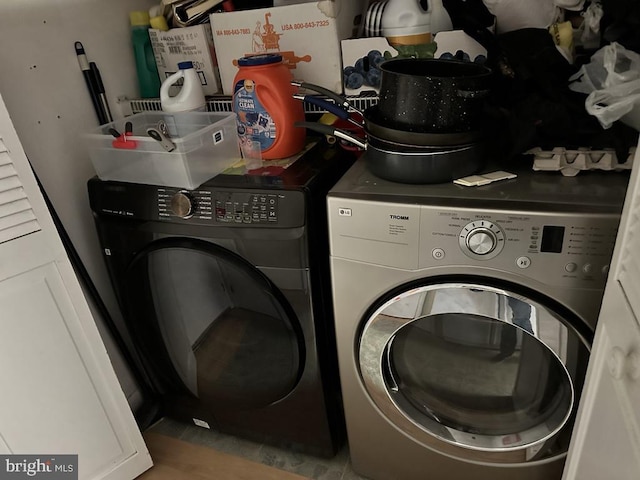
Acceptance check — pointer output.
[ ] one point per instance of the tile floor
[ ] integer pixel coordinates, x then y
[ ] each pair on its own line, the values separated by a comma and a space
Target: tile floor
337, 468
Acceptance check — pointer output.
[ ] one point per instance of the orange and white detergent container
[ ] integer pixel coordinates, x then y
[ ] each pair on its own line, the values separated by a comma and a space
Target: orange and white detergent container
265, 108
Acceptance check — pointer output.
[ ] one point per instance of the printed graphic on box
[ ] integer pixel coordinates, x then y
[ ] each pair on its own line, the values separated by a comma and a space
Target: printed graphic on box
306, 35
265, 39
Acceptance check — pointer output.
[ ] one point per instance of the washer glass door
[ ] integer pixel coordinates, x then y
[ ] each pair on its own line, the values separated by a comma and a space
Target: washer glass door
212, 324
474, 368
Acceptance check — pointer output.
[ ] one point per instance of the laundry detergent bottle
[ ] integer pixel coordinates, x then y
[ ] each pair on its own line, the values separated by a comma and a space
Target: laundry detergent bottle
265, 108
146, 68
190, 98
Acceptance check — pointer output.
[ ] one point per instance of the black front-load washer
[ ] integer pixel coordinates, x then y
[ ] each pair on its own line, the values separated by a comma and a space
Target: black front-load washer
225, 294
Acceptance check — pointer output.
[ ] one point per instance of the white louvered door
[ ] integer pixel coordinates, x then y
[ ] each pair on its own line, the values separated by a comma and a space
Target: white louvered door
59, 393
606, 442
16, 215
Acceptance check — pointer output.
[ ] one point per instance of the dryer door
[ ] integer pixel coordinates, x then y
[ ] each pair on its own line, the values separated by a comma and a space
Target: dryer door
475, 371
211, 324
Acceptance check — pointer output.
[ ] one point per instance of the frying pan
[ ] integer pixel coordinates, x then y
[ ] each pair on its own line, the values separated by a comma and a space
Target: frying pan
405, 163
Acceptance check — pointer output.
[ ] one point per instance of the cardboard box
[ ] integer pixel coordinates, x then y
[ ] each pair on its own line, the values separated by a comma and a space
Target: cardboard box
307, 35
187, 44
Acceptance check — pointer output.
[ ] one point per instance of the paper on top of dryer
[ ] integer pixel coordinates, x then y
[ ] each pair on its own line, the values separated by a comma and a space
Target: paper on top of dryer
484, 179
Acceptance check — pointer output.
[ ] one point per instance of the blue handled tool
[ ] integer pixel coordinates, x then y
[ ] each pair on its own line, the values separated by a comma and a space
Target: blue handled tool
331, 107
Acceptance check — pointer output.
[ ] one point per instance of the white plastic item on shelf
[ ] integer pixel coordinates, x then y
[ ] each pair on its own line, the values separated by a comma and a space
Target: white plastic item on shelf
571, 162
190, 98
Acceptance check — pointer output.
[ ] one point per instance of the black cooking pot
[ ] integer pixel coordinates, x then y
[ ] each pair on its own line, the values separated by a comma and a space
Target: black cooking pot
432, 95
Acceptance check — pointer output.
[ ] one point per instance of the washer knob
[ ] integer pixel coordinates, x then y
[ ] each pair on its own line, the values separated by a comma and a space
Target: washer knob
481, 241
182, 204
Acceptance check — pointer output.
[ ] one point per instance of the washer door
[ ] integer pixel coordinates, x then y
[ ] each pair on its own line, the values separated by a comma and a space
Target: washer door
475, 371
211, 324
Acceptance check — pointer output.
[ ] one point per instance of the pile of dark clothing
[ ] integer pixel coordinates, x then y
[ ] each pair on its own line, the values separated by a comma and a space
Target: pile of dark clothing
531, 104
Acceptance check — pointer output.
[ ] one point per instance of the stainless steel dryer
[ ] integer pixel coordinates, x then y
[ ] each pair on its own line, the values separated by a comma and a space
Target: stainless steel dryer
225, 293
464, 319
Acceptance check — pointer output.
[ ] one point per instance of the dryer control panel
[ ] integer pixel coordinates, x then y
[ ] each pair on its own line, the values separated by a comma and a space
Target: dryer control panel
555, 248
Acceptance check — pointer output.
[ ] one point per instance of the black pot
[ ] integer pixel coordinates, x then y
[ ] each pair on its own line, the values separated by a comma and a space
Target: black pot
433, 96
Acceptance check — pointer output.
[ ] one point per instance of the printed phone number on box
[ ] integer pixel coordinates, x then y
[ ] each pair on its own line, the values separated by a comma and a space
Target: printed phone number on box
284, 27
233, 31
301, 26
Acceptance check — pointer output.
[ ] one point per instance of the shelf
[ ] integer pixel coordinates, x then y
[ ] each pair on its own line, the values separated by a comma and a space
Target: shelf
223, 104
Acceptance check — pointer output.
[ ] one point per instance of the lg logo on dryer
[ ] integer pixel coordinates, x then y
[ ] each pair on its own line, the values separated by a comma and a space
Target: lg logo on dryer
399, 217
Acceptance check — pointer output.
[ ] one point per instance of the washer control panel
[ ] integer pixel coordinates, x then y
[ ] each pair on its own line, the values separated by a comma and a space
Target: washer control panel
231, 206
235, 207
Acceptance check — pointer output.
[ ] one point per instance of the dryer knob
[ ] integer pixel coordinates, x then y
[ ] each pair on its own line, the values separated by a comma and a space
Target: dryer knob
183, 204
481, 241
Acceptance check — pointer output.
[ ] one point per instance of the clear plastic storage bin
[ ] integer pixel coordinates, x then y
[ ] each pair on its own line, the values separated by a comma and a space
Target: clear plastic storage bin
204, 144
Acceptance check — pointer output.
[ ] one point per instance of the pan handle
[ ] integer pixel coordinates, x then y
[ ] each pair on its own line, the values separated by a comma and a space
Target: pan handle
325, 91
331, 107
336, 132
338, 111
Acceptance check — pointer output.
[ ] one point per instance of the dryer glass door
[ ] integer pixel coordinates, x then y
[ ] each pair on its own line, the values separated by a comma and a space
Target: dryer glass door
475, 367
212, 324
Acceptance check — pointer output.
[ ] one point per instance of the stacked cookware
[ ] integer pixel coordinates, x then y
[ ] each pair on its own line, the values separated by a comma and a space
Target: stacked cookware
427, 126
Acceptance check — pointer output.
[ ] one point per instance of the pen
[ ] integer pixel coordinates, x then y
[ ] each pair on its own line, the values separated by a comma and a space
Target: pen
91, 85
100, 90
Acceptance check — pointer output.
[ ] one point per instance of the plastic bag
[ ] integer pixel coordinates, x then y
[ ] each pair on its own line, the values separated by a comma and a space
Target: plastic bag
621, 102
612, 80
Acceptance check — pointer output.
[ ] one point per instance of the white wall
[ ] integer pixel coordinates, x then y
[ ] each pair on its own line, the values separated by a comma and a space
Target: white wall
46, 96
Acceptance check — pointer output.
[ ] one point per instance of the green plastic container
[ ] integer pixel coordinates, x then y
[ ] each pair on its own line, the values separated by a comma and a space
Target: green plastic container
148, 78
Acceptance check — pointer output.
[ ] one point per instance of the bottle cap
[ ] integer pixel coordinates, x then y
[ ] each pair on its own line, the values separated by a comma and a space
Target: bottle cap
262, 59
139, 18
159, 23
185, 65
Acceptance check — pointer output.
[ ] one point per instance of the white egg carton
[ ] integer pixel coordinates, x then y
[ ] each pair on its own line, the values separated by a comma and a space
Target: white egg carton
571, 162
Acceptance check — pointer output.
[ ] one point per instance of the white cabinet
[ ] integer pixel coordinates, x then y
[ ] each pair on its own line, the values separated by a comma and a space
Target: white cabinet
59, 392
606, 442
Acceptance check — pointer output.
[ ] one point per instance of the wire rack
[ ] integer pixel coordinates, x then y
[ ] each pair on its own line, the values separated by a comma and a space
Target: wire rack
223, 104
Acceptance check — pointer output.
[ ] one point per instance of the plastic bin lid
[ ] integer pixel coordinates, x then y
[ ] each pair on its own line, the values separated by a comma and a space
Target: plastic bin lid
262, 59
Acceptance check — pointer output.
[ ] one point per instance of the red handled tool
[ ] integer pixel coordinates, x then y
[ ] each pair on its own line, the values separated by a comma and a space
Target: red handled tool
121, 139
